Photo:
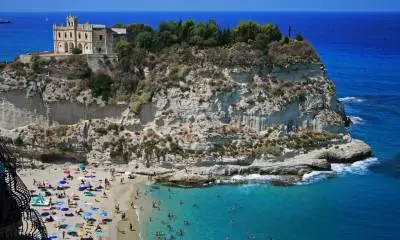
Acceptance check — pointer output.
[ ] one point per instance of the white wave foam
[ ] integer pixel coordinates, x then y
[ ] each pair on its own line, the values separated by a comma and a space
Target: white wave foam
357, 120
252, 178
351, 100
360, 167
316, 176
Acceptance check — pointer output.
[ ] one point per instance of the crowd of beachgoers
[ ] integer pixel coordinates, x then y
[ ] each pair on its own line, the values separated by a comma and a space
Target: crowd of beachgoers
81, 202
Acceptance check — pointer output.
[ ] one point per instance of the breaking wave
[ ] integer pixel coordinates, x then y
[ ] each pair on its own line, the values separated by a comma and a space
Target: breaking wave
359, 168
357, 120
253, 178
351, 100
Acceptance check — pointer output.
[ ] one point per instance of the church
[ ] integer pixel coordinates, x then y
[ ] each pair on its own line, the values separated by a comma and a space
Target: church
89, 38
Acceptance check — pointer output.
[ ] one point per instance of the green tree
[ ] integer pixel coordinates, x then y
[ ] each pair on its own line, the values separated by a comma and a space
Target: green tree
134, 29
246, 31
144, 40
272, 32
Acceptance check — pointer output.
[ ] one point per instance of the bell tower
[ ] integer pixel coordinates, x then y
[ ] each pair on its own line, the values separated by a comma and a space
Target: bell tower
72, 21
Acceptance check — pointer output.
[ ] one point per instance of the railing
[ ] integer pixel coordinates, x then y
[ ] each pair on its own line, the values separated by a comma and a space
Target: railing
24, 222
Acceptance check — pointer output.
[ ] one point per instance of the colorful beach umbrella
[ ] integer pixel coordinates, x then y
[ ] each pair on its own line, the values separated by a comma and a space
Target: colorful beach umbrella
67, 172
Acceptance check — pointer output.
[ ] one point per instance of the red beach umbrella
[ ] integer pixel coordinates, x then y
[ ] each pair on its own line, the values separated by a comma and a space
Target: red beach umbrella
67, 172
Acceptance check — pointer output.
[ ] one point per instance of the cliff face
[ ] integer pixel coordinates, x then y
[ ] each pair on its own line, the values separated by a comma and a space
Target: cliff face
195, 107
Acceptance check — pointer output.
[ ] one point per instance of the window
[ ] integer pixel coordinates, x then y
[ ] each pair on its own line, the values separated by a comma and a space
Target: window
79, 35
85, 35
70, 35
65, 35
99, 49
101, 37
59, 35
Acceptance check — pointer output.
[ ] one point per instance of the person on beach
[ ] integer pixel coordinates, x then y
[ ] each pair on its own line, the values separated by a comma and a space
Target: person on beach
63, 235
131, 227
123, 216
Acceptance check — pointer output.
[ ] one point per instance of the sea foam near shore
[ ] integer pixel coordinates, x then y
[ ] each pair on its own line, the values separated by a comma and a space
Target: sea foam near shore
359, 168
351, 100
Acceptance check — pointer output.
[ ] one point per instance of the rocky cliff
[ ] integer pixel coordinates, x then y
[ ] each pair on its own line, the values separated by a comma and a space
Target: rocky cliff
222, 110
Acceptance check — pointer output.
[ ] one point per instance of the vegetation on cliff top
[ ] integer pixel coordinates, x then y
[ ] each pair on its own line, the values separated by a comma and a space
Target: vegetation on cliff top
200, 34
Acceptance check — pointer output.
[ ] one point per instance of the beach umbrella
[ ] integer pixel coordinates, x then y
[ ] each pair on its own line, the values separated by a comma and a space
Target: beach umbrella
62, 182
64, 209
72, 233
128, 173
82, 166
99, 234
91, 220
64, 226
87, 214
81, 178
67, 172
104, 214
52, 236
45, 214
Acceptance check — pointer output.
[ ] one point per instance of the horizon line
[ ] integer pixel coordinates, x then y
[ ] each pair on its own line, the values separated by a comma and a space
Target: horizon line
205, 10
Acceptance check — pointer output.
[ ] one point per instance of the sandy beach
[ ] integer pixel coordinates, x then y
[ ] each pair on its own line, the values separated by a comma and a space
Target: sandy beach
103, 212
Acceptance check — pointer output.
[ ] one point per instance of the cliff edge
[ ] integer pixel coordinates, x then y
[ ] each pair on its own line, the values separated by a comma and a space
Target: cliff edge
191, 114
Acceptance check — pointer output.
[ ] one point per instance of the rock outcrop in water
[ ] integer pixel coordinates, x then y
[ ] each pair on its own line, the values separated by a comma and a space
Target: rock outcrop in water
198, 113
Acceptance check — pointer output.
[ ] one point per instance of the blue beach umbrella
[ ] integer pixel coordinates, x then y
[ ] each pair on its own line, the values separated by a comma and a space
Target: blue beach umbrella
52, 236
62, 182
72, 233
99, 234
64, 209
104, 214
87, 214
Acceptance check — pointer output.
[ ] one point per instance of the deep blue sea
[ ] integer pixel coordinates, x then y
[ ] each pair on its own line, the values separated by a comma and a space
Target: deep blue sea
362, 54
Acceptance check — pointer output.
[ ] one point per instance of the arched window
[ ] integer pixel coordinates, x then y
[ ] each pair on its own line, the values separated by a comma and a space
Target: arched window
70, 35
59, 35
65, 35
79, 35
85, 35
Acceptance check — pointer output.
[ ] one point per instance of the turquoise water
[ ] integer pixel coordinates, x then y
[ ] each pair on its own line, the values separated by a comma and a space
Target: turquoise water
362, 54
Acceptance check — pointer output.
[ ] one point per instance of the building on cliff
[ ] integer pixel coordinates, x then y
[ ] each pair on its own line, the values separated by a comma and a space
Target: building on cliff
90, 38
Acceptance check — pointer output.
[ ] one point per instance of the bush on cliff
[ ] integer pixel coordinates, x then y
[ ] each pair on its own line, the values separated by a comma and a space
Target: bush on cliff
207, 34
299, 38
100, 84
76, 51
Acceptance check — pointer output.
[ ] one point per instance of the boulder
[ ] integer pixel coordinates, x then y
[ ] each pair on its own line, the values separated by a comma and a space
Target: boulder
353, 151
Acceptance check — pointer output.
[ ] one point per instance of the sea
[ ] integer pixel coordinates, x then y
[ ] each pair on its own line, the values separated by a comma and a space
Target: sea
362, 54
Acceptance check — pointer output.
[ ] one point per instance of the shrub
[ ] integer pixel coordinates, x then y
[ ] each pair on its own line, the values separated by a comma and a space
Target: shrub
299, 38
76, 51
139, 101
286, 40
18, 141
100, 84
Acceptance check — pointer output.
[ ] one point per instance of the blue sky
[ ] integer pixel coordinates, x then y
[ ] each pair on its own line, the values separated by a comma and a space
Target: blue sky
199, 5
